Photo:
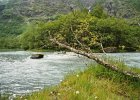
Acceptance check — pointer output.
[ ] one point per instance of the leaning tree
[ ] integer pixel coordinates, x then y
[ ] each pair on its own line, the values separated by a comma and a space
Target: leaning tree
74, 33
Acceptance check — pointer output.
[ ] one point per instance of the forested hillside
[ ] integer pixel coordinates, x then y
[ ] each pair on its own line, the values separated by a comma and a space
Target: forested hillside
13, 13
116, 21
90, 28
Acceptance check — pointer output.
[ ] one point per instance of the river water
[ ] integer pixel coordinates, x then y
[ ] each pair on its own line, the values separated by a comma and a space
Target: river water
19, 74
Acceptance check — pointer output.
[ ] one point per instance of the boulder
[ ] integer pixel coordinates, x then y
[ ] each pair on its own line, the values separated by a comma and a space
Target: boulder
37, 56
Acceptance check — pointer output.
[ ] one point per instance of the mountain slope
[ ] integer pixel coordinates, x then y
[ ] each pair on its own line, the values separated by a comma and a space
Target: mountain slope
14, 13
36, 8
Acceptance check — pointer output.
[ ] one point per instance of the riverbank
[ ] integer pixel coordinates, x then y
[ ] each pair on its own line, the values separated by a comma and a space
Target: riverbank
96, 82
63, 49
89, 83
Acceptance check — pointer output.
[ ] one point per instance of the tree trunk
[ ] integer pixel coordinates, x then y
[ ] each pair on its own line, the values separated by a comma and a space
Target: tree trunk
97, 59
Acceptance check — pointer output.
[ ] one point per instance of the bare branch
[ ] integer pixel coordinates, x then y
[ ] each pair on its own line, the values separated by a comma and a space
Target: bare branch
97, 59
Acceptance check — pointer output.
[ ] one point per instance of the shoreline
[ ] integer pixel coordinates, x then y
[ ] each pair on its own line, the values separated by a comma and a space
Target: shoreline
95, 82
101, 71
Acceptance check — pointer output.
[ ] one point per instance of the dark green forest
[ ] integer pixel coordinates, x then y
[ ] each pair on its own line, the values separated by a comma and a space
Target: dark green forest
30, 24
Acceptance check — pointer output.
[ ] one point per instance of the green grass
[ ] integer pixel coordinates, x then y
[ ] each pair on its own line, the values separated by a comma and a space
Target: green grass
120, 64
95, 83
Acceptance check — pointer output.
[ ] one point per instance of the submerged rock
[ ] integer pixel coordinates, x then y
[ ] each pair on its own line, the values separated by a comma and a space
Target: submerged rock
37, 56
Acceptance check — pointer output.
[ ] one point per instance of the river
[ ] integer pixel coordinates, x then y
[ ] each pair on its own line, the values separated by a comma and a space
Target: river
19, 74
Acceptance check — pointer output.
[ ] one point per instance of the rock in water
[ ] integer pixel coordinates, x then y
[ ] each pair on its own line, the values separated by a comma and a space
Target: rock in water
37, 56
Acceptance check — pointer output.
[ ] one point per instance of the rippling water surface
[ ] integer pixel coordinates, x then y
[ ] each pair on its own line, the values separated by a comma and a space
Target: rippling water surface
130, 59
19, 74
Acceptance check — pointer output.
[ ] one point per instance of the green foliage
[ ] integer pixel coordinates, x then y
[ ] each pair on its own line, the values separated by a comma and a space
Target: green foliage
98, 12
9, 42
9, 31
10, 23
82, 29
116, 32
35, 36
12, 26
65, 29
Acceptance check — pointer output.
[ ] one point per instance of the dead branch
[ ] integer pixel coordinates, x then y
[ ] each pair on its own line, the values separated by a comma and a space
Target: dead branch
102, 48
97, 59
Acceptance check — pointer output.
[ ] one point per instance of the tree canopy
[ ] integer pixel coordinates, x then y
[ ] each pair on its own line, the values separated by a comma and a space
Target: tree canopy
83, 29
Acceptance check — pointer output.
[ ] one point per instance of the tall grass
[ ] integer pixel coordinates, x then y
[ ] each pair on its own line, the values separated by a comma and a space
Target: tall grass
120, 64
96, 82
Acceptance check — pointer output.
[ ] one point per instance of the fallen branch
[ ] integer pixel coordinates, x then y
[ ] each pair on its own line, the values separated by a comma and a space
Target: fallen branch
97, 59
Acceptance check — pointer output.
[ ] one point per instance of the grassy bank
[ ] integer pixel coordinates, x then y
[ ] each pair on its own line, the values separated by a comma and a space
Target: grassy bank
96, 82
